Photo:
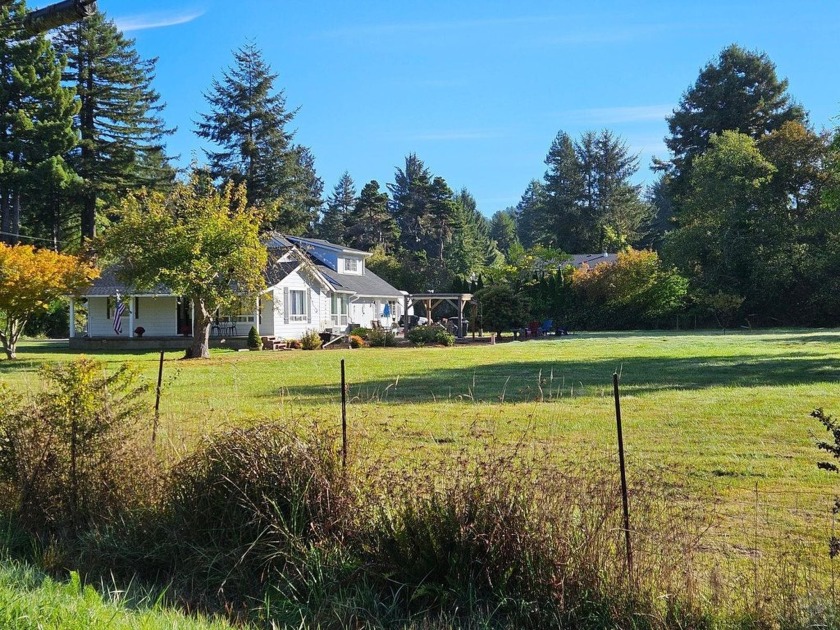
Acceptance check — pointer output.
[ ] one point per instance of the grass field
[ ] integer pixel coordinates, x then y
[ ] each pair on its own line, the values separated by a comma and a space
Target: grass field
725, 416
716, 407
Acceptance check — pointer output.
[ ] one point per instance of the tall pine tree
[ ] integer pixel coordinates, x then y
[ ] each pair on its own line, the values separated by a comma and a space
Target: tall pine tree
248, 122
122, 133
410, 204
371, 225
741, 92
36, 116
339, 206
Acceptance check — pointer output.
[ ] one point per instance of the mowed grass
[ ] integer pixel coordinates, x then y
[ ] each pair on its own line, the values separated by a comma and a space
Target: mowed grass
725, 415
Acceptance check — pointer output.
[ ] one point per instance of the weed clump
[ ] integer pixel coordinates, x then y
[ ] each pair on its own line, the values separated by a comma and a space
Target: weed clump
72, 457
250, 503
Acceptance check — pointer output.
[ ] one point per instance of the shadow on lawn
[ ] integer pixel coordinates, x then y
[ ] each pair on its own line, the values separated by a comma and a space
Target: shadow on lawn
524, 381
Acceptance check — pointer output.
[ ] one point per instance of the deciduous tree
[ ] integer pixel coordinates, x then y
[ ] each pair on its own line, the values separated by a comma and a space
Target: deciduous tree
197, 241
29, 280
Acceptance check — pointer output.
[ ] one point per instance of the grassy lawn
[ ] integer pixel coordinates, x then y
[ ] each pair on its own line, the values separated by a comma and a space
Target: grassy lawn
726, 416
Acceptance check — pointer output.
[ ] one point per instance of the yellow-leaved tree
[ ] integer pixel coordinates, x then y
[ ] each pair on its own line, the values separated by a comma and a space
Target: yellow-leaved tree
29, 280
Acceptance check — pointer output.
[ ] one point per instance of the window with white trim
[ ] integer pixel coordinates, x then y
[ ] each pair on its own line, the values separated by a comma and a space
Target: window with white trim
351, 265
297, 305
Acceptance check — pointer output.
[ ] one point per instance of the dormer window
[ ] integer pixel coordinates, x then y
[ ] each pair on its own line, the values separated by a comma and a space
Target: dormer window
351, 265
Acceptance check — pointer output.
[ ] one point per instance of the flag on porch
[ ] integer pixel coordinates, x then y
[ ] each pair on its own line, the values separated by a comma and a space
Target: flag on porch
118, 311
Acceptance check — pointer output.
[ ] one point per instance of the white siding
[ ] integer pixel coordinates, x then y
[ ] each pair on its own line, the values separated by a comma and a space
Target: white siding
158, 315
364, 311
344, 267
319, 308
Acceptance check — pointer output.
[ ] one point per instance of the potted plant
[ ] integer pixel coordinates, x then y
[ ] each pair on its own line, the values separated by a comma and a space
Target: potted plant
139, 331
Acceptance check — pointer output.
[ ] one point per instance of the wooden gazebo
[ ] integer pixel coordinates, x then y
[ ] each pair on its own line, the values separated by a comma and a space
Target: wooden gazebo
432, 300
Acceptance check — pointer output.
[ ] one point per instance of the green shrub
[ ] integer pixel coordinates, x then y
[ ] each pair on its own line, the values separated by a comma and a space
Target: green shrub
72, 457
254, 339
311, 340
361, 331
381, 338
425, 335
356, 341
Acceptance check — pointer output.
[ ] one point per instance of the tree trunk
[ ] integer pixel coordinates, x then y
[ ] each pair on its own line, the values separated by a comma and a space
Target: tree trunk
200, 348
9, 339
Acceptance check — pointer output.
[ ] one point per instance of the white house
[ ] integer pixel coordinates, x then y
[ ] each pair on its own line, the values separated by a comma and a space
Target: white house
311, 285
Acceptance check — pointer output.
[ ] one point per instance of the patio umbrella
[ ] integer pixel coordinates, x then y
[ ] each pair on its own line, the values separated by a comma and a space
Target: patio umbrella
386, 312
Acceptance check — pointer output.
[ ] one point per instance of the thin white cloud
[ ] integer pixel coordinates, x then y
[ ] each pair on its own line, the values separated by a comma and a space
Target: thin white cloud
146, 21
617, 115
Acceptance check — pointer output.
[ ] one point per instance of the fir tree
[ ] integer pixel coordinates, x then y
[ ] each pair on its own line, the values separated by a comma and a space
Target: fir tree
371, 225
340, 205
122, 146
248, 122
36, 117
529, 214
410, 204
740, 92
503, 230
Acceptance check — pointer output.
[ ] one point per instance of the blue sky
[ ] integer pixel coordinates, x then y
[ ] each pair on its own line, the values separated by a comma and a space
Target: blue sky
478, 89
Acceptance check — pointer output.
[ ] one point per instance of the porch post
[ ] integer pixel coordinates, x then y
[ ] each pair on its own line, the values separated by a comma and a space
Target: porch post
460, 317
257, 316
72, 318
131, 316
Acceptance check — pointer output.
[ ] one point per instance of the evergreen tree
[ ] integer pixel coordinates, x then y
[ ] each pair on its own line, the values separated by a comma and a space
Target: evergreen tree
122, 145
471, 249
410, 204
619, 207
340, 205
529, 214
561, 224
371, 225
739, 92
36, 116
442, 210
587, 202
249, 123
503, 229
298, 212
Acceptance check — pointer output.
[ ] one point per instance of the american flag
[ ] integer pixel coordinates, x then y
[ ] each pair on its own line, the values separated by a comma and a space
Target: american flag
120, 309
